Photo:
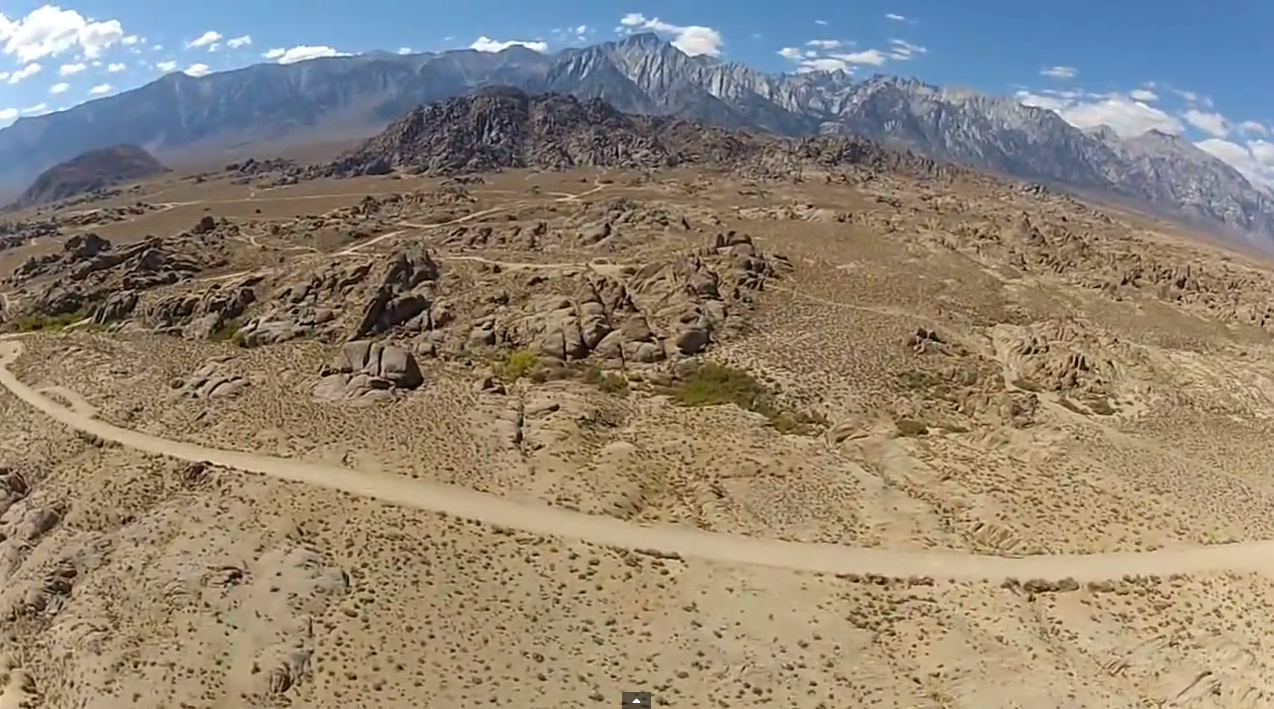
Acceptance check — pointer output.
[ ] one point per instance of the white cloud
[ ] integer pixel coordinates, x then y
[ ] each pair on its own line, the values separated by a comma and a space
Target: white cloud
1213, 124
694, 40
822, 64
1130, 114
59, 88
1254, 128
8, 114
901, 50
1254, 159
1125, 115
1122, 113
71, 69
50, 31
404, 50
821, 22
873, 57
166, 66
1059, 72
100, 89
486, 44
197, 70
130, 40
115, 67
578, 33
24, 73
242, 41
822, 55
1190, 96
1047, 99
208, 39
32, 110
301, 53
895, 17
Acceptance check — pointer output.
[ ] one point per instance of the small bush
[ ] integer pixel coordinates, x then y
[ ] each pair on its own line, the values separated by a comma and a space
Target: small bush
226, 331
1101, 407
46, 323
614, 384
520, 363
712, 384
917, 380
608, 382
911, 428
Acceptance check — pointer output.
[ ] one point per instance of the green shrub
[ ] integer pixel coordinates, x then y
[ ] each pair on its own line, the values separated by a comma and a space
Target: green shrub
712, 384
36, 322
226, 331
520, 363
911, 428
609, 382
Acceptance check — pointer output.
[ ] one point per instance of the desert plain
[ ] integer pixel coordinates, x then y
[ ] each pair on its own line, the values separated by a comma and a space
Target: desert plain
853, 438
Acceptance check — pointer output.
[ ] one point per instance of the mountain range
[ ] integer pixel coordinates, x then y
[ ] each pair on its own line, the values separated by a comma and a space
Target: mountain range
359, 95
500, 127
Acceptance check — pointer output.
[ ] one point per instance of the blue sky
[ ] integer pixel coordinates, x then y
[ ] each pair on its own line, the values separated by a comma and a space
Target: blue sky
1184, 66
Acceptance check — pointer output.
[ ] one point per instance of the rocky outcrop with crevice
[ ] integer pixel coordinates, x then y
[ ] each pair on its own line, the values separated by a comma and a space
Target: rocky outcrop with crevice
216, 378
93, 276
367, 372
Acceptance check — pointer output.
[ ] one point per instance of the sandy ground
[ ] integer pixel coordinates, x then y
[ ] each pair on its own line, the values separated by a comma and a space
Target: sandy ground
1035, 473
215, 588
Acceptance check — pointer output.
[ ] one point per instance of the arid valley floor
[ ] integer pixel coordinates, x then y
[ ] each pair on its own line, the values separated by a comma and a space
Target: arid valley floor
851, 439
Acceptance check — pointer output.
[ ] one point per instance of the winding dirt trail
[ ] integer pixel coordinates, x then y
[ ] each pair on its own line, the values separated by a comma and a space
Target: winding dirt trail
556, 521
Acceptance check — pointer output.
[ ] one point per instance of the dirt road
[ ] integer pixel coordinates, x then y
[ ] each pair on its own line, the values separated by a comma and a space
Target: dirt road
556, 521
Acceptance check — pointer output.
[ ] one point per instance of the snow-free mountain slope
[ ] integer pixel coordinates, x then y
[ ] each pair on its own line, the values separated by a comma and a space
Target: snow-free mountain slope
644, 74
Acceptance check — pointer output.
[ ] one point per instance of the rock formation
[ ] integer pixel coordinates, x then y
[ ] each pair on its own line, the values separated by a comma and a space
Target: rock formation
90, 172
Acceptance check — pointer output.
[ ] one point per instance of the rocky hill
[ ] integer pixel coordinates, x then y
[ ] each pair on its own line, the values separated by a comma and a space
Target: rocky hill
502, 127
644, 75
89, 172
505, 128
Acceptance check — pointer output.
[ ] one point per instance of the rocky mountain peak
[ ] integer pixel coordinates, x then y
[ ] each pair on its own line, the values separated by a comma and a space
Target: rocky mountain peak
643, 74
644, 40
1103, 132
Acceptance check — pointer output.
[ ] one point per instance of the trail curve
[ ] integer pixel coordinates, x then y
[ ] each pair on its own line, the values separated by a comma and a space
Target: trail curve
686, 542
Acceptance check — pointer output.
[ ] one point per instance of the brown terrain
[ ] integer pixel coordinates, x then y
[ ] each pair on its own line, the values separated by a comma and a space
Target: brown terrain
464, 418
